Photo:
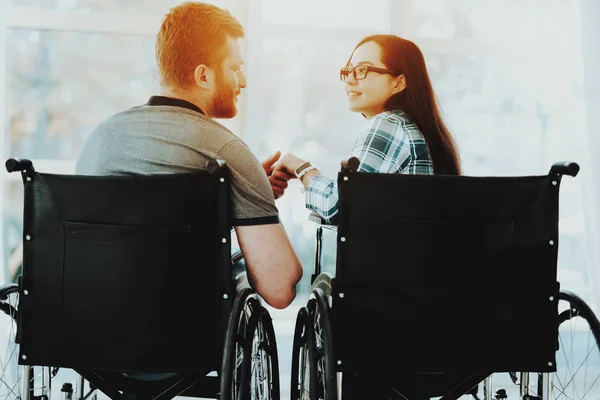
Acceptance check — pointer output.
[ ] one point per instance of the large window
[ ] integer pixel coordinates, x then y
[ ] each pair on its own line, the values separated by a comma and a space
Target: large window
69, 64
512, 97
60, 84
508, 75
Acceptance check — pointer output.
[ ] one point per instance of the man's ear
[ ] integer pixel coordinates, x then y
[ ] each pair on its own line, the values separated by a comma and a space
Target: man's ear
400, 84
204, 76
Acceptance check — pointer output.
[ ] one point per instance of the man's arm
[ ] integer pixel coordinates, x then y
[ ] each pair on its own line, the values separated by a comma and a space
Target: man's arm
272, 265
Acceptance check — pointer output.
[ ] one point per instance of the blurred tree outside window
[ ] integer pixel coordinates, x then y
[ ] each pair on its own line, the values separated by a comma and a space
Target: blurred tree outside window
61, 84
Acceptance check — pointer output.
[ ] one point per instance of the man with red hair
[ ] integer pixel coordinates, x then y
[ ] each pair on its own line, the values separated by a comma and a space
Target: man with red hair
200, 65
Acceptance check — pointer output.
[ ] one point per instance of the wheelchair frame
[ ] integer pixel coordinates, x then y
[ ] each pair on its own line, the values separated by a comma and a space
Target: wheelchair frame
249, 350
317, 375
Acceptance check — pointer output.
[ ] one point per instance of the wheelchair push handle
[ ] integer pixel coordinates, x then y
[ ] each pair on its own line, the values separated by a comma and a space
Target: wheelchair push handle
216, 165
19, 164
565, 168
350, 165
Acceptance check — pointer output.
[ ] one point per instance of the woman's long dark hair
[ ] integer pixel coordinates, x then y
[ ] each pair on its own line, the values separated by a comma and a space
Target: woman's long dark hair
418, 99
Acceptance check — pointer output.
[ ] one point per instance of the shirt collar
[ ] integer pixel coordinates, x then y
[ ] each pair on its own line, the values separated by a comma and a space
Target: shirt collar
170, 101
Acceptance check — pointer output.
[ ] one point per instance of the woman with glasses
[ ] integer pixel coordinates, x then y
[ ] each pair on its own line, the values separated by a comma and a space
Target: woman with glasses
387, 82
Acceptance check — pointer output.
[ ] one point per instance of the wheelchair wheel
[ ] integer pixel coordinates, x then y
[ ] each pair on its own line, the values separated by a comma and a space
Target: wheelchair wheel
313, 369
304, 370
17, 381
250, 367
578, 356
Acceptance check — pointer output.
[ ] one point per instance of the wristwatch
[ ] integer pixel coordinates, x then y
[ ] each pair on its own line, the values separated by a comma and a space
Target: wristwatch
302, 169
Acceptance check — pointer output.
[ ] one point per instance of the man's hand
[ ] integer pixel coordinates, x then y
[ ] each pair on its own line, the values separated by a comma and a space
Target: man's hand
278, 178
268, 164
279, 181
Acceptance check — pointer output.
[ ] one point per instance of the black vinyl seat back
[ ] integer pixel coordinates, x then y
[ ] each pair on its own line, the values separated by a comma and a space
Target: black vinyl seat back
126, 273
446, 273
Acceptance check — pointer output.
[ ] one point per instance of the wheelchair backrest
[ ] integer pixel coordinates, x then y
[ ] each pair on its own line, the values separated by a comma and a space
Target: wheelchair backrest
447, 273
126, 272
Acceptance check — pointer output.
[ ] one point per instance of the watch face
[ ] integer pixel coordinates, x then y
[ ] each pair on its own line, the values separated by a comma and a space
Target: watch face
301, 167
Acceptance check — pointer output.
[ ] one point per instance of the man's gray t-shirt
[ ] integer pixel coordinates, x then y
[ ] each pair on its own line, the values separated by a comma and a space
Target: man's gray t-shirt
169, 135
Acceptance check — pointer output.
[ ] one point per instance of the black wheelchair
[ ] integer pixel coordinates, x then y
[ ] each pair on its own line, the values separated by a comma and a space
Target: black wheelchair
440, 283
127, 280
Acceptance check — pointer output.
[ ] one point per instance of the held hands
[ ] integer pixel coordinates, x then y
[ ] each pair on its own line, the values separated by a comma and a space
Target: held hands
289, 163
278, 176
279, 173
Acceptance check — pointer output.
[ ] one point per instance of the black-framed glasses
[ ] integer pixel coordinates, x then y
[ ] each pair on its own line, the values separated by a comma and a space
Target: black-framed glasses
360, 72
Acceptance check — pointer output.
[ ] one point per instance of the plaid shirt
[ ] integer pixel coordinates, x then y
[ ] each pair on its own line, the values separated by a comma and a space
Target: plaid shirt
392, 144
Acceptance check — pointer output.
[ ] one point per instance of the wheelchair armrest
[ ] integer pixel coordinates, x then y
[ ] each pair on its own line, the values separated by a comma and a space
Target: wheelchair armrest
18, 164
565, 168
314, 217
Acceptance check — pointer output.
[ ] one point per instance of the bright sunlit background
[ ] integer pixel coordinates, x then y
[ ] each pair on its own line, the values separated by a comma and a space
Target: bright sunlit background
517, 81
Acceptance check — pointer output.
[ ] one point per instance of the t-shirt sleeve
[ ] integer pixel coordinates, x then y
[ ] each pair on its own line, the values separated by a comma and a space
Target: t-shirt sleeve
251, 194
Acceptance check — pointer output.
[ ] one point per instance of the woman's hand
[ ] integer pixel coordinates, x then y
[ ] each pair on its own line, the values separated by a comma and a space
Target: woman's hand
289, 163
